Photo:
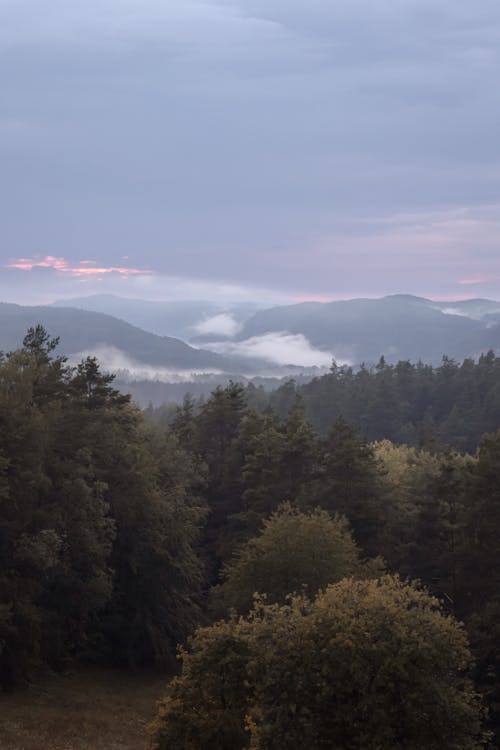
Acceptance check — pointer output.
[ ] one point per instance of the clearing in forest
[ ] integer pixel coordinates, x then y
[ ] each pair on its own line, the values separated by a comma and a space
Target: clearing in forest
93, 709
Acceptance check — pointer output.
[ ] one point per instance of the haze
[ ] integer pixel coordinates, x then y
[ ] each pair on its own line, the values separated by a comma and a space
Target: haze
274, 151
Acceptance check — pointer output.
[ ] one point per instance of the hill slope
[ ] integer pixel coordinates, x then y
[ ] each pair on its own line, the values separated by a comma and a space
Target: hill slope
178, 318
84, 331
399, 327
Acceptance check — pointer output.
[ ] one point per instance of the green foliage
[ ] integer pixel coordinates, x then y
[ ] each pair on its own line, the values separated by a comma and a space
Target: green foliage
348, 482
406, 477
422, 493
415, 404
295, 552
215, 431
484, 632
263, 486
276, 462
300, 450
483, 523
366, 665
157, 573
99, 519
254, 463
114, 531
204, 708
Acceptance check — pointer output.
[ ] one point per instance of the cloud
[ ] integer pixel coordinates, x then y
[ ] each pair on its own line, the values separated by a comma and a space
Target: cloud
83, 268
222, 324
454, 311
478, 280
245, 141
128, 370
429, 253
475, 309
278, 348
116, 361
41, 283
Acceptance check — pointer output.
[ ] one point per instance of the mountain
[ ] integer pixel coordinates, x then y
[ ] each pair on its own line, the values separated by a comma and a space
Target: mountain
85, 331
184, 319
478, 309
397, 326
268, 342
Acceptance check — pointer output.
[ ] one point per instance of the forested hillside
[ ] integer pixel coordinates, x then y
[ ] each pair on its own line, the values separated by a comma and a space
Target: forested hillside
416, 404
179, 318
85, 331
120, 538
399, 326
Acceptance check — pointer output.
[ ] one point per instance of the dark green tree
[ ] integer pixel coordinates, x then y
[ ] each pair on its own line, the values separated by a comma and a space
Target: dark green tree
100, 519
348, 482
217, 429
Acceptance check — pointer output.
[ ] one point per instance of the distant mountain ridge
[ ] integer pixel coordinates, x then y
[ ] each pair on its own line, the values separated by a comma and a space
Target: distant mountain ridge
396, 326
399, 327
177, 318
83, 331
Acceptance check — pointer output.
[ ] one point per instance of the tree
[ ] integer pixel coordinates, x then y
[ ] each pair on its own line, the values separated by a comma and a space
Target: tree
348, 483
100, 518
182, 422
217, 427
406, 479
55, 529
154, 498
204, 708
261, 446
484, 633
50, 372
300, 451
276, 463
366, 665
482, 522
295, 552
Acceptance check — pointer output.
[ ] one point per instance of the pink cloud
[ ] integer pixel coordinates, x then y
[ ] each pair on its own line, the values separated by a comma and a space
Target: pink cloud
83, 269
478, 280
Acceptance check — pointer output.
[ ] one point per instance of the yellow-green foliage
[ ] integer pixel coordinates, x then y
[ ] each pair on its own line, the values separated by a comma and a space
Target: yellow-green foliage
368, 665
205, 706
295, 552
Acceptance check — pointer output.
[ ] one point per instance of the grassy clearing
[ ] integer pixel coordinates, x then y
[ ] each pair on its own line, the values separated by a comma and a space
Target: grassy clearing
92, 709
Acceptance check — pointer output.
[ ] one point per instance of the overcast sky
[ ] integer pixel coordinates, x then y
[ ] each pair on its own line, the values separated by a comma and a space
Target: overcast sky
274, 149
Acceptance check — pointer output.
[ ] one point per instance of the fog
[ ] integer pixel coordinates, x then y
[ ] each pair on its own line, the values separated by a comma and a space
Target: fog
222, 324
127, 369
276, 347
282, 355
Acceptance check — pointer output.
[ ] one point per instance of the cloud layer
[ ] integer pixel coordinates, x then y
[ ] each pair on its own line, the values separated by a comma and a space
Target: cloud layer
128, 369
82, 269
277, 348
318, 148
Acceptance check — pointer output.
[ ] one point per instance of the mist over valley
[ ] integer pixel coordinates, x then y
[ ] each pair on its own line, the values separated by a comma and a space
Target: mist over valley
192, 346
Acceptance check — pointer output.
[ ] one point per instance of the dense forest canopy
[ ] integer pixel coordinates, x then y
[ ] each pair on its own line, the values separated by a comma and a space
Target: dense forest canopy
120, 537
95, 504
414, 404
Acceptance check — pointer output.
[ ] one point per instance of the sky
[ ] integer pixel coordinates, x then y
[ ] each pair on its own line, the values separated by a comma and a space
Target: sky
271, 150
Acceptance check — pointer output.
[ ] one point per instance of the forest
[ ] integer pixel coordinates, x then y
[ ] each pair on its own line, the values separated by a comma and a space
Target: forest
412, 404
316, 567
